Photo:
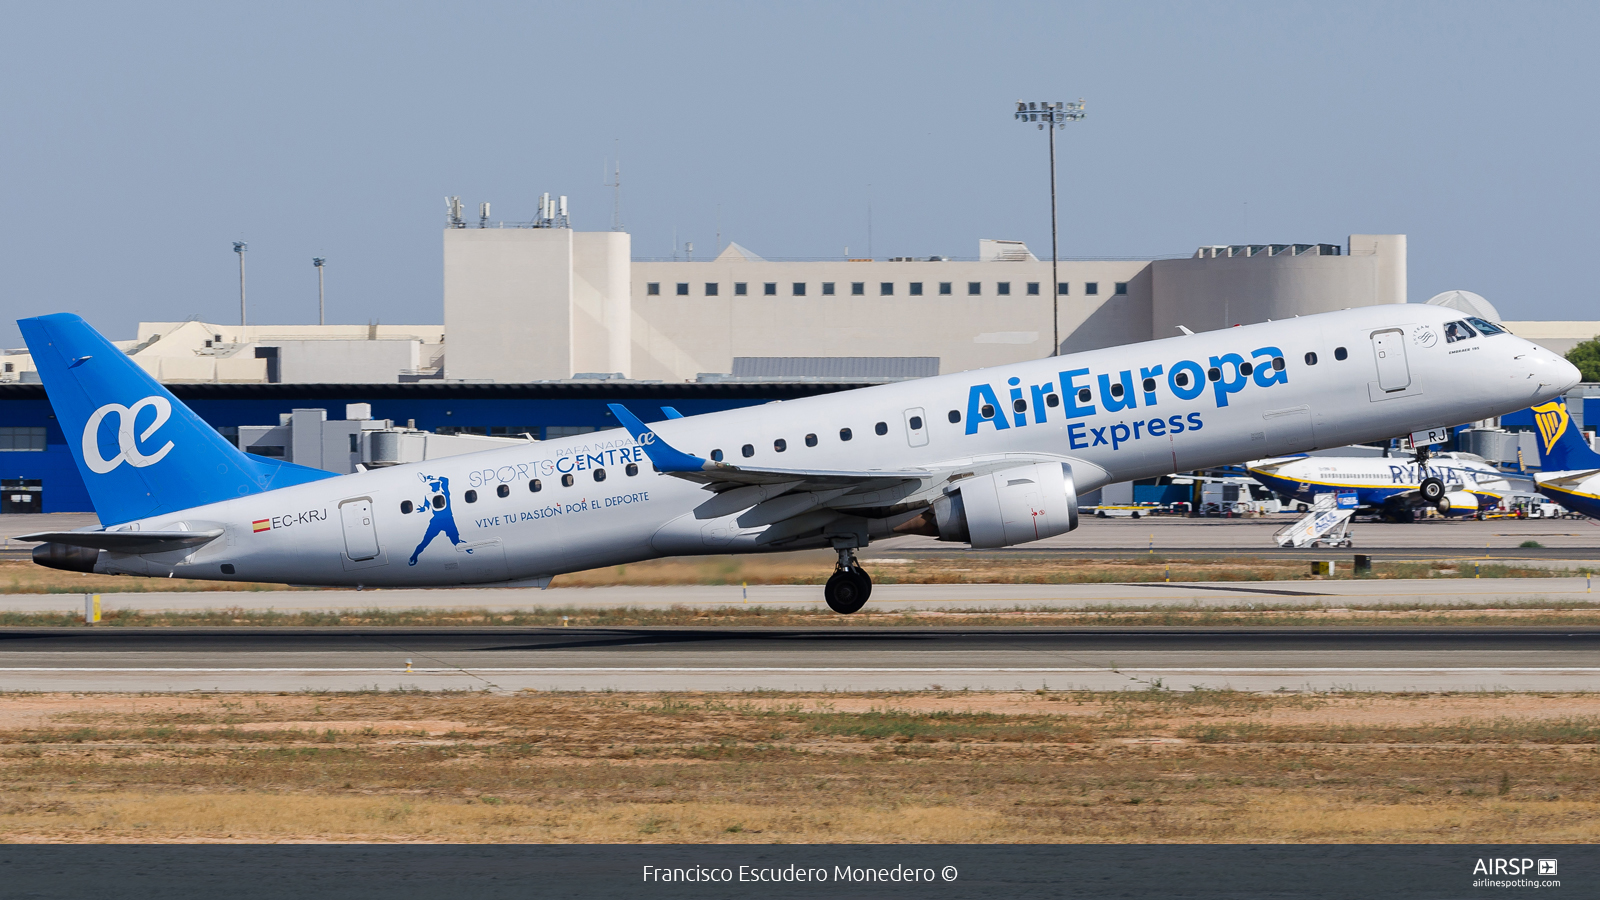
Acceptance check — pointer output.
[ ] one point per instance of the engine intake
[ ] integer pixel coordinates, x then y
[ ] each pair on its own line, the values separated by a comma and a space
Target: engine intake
1012, 506
1458, 503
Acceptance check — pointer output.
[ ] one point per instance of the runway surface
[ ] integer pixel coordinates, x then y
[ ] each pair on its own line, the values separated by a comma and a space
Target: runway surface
1425, 591
819, 659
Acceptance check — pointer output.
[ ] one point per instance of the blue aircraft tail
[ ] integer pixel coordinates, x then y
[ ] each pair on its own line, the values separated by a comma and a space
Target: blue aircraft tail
141, 452
1561, 446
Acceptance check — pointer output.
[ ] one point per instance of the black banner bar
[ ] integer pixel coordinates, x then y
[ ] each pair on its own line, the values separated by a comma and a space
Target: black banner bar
934, 872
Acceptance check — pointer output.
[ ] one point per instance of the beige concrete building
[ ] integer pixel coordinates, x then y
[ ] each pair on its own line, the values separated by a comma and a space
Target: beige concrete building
536, 304
203, 352
526, 304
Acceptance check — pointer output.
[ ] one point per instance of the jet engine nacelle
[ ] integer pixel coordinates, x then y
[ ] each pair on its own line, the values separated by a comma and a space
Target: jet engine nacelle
1012, 506
1458, 503
66, 556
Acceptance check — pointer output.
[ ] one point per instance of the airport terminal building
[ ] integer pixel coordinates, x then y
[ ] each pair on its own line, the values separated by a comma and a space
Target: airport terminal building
542, 326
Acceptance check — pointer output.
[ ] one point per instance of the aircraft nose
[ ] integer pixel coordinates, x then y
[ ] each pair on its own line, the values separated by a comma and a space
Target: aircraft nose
1553, 374
1564, 374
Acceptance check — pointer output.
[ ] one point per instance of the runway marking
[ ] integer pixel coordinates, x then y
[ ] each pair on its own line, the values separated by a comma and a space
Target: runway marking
1240, 590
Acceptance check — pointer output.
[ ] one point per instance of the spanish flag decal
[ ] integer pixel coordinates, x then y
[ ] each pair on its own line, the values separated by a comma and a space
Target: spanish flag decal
1552, 420
262, 525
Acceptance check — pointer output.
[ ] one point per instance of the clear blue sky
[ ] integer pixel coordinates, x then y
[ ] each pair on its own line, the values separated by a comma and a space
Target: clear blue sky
140, 140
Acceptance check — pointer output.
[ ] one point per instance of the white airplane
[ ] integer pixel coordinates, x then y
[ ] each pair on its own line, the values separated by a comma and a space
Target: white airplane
1458, 484
990, 458
1571, 475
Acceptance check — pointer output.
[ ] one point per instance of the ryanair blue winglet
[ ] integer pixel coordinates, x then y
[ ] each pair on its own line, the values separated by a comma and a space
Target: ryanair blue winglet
664, 456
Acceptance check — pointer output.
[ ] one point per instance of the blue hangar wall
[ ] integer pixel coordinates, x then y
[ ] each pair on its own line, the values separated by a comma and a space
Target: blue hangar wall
480, 408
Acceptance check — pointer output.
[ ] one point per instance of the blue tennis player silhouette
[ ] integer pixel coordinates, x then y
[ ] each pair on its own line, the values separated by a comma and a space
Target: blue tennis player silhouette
438, 503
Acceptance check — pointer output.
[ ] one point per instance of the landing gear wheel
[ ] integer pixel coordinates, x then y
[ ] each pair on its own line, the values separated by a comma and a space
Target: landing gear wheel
847, 591
1431, 489
865, 580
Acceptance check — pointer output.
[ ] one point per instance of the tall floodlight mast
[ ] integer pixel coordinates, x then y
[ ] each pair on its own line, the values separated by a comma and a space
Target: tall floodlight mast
240, 247
322, 319
1049, 117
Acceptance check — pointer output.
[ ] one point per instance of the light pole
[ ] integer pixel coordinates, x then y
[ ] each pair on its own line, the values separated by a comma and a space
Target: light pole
321, 308
1049, 117
240, 247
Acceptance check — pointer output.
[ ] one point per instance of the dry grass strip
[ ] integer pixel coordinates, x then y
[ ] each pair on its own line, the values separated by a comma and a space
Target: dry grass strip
1209, 766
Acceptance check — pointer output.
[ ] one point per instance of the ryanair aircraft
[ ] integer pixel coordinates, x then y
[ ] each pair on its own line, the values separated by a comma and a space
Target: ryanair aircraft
987, 458
1457, 484
1571, 475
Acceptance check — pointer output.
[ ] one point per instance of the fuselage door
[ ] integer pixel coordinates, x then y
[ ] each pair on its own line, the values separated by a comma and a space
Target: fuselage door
916, 428
360, 534
1390, 351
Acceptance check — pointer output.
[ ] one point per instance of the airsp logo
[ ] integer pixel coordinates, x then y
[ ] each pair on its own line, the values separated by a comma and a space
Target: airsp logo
128, 448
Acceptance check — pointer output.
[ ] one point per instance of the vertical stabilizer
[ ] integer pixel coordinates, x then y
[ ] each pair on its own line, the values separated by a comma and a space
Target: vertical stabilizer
1561, 446
141, 452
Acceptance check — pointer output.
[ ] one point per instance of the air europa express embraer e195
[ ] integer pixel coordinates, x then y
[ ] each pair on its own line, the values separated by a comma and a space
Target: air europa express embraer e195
990, 458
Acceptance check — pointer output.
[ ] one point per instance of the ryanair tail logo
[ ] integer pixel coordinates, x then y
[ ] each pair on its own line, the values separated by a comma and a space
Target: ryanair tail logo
1552, 420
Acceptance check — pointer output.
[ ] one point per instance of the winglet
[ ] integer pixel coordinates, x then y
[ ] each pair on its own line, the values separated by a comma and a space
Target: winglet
671, 413
665, 457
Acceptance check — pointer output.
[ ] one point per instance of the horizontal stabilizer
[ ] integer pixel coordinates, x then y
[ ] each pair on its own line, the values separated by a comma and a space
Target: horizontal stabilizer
1568, 480
126, 541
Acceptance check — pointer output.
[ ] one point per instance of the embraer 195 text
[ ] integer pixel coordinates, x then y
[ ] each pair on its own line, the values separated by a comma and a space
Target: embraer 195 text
991, 458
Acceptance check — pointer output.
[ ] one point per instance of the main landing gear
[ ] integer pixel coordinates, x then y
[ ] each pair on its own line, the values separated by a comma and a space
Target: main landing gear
1431, 488
849, 588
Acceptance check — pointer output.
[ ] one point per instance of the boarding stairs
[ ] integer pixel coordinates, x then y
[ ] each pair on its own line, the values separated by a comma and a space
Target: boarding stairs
1328, 523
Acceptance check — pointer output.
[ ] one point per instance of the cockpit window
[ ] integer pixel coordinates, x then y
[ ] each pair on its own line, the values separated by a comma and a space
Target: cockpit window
1457, 331
1485, 327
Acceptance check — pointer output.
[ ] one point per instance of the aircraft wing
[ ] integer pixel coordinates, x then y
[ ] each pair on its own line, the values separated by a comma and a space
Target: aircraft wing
1566, 479
126, 541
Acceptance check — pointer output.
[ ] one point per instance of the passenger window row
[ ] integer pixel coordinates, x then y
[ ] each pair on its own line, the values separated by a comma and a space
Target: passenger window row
534, 486
845, 434
1051, 400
